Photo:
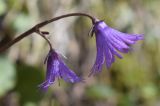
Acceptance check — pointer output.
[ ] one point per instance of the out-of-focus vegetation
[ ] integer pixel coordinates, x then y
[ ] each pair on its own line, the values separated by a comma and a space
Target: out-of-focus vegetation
132, 81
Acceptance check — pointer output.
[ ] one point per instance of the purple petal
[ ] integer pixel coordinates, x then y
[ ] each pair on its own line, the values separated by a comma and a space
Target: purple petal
119, 47
67, 74
97, 67
128, 38
120, 36
115, 42
114, 51
44, 86
109, 57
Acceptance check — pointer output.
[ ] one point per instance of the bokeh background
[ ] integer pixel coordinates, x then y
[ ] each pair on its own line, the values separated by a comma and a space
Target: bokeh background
132, 81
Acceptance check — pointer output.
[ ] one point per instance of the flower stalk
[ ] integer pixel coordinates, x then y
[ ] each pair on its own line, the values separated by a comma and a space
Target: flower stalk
40, 25
43, 35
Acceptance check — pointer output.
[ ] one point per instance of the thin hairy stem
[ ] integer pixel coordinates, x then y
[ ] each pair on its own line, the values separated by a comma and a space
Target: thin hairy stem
42, 24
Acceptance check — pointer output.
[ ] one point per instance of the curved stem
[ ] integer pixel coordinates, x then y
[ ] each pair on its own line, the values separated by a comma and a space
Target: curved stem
49, 43
38, 26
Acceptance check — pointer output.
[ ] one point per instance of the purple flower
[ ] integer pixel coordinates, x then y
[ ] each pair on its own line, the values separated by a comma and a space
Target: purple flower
57, 69
109, 43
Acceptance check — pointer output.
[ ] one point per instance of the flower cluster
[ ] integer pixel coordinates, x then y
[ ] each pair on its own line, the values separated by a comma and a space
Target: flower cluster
109, 43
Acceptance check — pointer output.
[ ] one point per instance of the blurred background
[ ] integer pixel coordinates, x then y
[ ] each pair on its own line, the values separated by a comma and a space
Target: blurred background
131, 81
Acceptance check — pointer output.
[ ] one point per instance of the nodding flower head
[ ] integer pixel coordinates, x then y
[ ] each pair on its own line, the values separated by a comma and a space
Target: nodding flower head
109, 43
56, 68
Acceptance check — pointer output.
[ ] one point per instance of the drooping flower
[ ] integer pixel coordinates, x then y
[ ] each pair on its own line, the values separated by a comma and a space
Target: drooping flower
56, 68
109, 43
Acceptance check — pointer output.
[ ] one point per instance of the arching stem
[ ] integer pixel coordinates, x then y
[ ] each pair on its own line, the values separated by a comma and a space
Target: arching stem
38, 26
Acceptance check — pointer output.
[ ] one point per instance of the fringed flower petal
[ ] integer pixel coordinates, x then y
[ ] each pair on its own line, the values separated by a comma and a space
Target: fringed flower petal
109, 41
57, 69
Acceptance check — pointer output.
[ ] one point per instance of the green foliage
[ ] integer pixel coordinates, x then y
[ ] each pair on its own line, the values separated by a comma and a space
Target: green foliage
2, 7
7, 75
28, 79
22, 22
100, 92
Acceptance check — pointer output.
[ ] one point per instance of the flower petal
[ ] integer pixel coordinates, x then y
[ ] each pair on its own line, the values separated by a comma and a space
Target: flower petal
67, 74
114, 51
115, 42
109, 57
127, 38
97, 67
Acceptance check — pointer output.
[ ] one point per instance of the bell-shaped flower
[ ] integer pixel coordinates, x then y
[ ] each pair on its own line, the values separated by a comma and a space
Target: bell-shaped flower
109, 43
56, 69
